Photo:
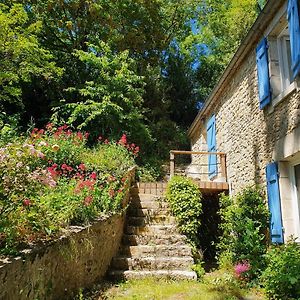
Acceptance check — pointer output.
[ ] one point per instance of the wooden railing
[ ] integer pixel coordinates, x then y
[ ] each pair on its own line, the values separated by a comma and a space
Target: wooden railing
221, 158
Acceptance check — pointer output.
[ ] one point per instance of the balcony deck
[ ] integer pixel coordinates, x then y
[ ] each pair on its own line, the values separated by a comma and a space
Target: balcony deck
201, 176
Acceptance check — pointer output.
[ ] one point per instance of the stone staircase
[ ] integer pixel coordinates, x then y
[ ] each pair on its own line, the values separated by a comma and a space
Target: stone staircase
151, 244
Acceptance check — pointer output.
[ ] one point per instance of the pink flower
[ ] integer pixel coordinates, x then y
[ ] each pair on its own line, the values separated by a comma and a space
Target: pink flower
41, 155
106, 142
241, 268
26, 202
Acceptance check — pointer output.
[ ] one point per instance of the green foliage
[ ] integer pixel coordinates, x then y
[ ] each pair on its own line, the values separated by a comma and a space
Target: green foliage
281, 278
22, 57
110, 98
9, 129
221, 27
52, 180
224, 282
185, 200
150, 171
244, 223
115, 65
225, 24
199, 269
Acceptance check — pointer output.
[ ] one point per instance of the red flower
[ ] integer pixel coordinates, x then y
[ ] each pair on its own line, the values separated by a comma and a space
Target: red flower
111, 193
123, 140
81, 167
136, 150
111, 179
26, 202
64, 166
49, 126
69, 169
106, 142
94, 175
88, 200
79, 135
86, 135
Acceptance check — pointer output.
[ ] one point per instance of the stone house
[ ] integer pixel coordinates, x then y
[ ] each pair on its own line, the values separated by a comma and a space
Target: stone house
253, 116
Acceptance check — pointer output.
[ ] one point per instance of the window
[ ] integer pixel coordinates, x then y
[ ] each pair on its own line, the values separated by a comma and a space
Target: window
211, 145
297, 189
278, 56
280, 61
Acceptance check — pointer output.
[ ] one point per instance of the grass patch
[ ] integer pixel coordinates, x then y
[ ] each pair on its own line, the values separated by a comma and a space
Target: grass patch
154, 289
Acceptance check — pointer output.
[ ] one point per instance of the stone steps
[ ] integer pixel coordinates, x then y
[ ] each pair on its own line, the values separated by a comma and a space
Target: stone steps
152, 244
155, 250
145, 212
140, 239
149, 204
152, 229
165, 274
151, 263
149, 220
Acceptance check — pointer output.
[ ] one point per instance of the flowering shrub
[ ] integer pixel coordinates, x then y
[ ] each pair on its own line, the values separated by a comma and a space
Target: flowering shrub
244, 223
241, 269
52, 179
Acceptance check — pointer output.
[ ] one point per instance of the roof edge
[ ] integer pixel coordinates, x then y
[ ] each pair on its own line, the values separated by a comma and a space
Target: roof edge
254, 34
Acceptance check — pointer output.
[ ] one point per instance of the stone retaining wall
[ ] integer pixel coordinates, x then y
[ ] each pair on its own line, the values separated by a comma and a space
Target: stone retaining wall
59, 270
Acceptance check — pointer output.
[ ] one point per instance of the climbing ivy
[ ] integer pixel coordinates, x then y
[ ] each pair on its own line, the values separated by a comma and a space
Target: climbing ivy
185, 197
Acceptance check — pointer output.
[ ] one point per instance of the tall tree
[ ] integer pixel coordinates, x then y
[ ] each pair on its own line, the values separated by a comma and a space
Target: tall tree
22, 59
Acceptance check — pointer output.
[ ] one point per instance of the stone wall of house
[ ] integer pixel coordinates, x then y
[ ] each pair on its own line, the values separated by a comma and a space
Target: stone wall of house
247, 134
57, 271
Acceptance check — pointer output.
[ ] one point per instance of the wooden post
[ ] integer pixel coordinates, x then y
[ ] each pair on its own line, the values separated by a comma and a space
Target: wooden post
172, 164
223, 166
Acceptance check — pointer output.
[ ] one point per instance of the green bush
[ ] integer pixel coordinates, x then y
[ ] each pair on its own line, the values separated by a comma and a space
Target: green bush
185, 199
244, 223
281, 278
52, 180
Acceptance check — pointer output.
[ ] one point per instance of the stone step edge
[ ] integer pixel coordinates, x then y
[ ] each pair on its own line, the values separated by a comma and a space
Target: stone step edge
174, 274
158, 236
155, 258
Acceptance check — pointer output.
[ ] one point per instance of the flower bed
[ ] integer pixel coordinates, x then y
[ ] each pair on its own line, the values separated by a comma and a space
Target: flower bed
52, 180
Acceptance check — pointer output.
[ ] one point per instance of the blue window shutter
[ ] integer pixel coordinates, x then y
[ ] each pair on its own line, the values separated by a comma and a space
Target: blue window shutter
274, 203
211, 144
294, 29
264, 88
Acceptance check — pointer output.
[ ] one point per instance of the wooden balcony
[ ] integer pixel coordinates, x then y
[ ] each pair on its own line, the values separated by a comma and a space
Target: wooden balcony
198, 170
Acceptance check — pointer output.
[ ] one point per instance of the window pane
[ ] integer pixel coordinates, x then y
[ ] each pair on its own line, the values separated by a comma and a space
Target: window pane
288, 48
297, 179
